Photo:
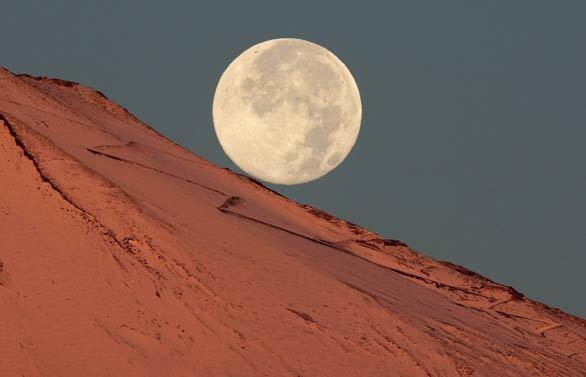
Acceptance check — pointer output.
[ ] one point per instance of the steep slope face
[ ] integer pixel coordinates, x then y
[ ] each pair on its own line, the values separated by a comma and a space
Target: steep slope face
122, 254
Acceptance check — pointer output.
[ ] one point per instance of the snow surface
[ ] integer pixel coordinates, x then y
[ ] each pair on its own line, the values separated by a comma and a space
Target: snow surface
123, 254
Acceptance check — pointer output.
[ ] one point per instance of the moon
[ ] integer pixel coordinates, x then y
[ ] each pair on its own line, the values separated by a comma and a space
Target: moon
287, 111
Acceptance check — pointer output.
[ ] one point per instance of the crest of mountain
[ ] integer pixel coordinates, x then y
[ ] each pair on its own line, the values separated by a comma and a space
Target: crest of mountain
123, 254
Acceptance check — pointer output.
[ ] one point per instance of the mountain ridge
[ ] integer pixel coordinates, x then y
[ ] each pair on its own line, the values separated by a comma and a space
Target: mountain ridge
94, 154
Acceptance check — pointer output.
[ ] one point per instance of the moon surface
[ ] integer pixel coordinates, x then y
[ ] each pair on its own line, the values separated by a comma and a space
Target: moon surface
287, 111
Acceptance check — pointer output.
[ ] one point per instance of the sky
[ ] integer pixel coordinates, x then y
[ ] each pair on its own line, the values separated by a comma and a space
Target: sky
473, 140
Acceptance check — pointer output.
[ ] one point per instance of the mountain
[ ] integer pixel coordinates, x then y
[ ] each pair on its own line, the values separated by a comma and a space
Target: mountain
123, 254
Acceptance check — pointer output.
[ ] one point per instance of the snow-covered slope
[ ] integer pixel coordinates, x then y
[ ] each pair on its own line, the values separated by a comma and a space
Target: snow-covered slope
123, 254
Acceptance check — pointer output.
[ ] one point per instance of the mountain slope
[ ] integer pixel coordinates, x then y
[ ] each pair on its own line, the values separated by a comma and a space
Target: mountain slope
123, 254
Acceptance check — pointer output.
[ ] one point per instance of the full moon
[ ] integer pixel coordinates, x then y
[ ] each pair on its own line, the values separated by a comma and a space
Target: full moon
287, 111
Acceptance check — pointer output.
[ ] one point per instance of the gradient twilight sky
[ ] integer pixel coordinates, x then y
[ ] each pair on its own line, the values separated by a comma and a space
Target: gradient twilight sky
473, 140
